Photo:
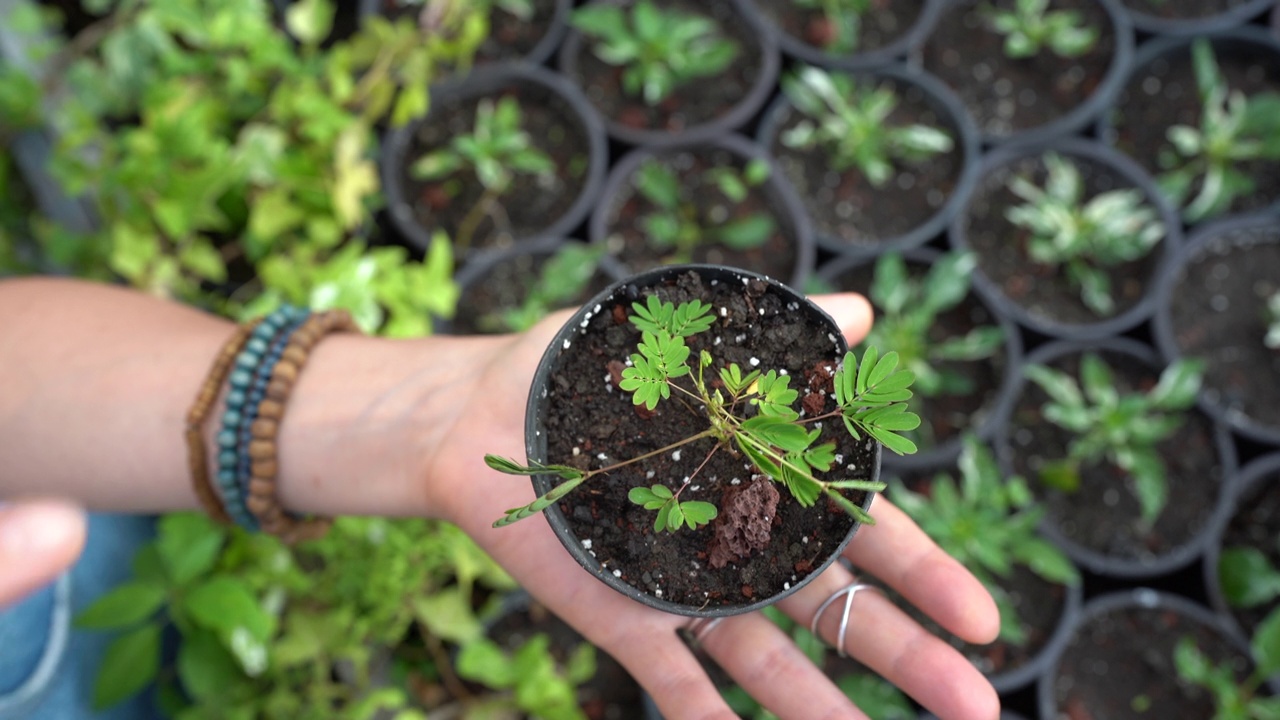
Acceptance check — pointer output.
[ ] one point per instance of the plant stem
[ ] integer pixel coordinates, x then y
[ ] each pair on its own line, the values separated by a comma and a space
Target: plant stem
477, 213
705, 433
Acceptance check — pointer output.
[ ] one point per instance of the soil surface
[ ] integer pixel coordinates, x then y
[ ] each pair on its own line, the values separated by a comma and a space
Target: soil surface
504, 287
532, 202
1044, 290
885, 23
591, 423
1104, 515
628, 241
1006, 95
845, 206
1182, 9
1163, 94
509, 38
1218, 312
1256, 524
1124, 659
697, 101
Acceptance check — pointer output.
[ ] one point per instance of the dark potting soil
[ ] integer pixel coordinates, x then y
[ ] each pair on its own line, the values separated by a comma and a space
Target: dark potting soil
1103, 514
591, 423
1003, 255
531, 204
509, 37
1218, 313
695, 102
629, 242
945, 416
1256, 524
1164, 94
1182, 9
1123, 659
884, 24
845, 206
504, 287
1006, 95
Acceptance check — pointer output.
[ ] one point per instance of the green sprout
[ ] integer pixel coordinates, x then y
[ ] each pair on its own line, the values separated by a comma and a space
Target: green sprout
1030, 27
1122, 429
561, 280
528, 680
1234, 128
1112, 228
751, 413
989, 524
658, 49
909, 308
850, 121
681, 225
1273, 322
844, 18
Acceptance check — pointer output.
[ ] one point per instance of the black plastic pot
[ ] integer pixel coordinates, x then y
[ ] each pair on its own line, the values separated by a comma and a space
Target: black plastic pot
786, 205
543, 393
491, 81
1192, 27
540, 52
575, 45
943, 102
887, 54
1142, 650
985, 421
1189, 280
1093, 560
1081, 115
1094, 153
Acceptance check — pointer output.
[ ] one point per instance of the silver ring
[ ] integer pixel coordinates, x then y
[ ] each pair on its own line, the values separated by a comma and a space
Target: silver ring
848, 591
699, 628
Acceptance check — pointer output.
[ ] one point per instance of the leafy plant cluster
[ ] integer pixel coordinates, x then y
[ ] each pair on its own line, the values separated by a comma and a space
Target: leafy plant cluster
681, 225
529, 680
851, 120
1085, 237
562, 278
1029, 27
1121, 429
1201, 172
988, 523
844, 22
658, 49
870, 396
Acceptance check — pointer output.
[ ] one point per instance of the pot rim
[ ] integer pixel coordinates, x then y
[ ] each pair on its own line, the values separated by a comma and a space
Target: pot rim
1191, 27
891, 53
28, 694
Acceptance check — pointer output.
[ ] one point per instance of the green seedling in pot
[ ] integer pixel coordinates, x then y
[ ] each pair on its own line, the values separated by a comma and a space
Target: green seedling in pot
988, 523
849, 120
843, 22
1272, 339
1236, 696
1247, 577
658, 49
1030, 26
681, 225
562, 279
1200, 166
1083, 237
1121, 429
751, 412
527, 681
494, 153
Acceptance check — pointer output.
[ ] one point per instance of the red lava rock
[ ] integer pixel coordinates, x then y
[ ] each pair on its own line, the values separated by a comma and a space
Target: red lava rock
748, 591
615, 371
813, 404
619, 315
745, 523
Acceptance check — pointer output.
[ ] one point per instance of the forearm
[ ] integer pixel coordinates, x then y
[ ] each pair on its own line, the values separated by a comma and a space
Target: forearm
95, 384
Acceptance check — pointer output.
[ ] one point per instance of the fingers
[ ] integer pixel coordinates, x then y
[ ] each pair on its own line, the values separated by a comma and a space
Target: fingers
38, 540
851, 312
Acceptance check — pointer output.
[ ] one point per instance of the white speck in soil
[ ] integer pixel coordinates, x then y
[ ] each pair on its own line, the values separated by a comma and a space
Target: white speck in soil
782, 371
586, 544
831, 337
676, 456
715, 283
839, 458
657, 593
735, 481
601, 456
755, 362
868, 447
740, 338
617, 573
627, 362
761, 310
649, 475
786, 586
577, 451
566, 343
805, 539
724, 312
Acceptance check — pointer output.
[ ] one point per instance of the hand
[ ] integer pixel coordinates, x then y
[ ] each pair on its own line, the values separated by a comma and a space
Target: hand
38, 540
758, 655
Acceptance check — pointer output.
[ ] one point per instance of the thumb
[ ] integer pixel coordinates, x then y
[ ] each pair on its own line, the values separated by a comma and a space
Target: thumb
38, 540
851, 312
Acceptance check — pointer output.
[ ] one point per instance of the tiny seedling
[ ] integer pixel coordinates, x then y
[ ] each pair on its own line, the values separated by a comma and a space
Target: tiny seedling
1085, 237
681, 225
850, 121
843, 19
1236, 697
750, 412
1201, 172
659, 50
988, 523
909, 309
1247, 577
1273, 322
561, 280
1030, 26
496, 150
1122, 429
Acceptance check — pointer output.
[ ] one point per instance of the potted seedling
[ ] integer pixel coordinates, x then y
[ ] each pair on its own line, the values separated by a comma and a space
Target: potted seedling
879, 158
526, 30
1235, 697
1029, 70
1242, 567
847, 34
1069, 237
662, 71
989, 523
678, 404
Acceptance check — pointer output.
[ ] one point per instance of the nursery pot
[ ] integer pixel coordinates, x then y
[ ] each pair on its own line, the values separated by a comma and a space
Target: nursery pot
886, 34
1039, 296
576, 414
848, 213
788, 255
1252, 523
723, 103
507, 40
1211, 304
1199, 458
561, 109
1173, 23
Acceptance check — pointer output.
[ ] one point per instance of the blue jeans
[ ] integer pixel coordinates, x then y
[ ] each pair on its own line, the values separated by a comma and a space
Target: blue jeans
47, 668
